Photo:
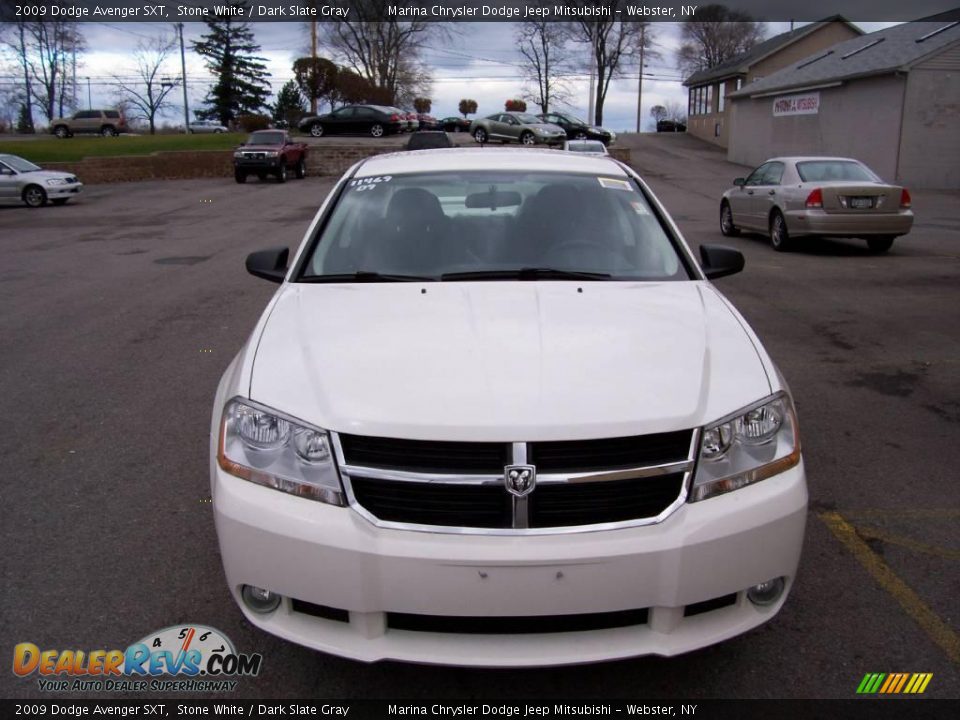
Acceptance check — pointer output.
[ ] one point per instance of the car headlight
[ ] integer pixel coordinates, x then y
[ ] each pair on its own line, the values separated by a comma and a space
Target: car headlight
56, 181
271, 153
238, 154
272, 449
753, 444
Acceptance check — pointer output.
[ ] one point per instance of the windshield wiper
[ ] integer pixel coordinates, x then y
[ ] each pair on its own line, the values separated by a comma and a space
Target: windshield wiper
365, 276
528, 273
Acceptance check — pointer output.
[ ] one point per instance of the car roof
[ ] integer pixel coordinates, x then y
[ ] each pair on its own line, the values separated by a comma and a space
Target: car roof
509, 159
810, 158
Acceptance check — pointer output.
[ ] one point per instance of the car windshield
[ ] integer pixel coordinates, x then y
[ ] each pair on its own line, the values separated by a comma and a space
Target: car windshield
527, 119
493, 225
19, 164
826, 170
265, 138
571, 118
586, 147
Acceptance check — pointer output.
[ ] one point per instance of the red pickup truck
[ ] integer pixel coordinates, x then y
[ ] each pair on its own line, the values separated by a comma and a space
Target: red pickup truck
270, 152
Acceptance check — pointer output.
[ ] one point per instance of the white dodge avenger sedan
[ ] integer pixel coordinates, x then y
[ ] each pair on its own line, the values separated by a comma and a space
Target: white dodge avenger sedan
497, 414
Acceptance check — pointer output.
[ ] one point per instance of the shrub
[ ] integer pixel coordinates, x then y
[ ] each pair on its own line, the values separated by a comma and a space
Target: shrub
467, 107
252, 122
515, 105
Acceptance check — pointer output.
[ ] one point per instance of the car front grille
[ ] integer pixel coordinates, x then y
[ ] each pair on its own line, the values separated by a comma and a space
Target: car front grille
461, 486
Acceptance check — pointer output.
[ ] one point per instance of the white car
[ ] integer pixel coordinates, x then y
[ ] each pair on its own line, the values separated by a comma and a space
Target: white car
496, 414
22, 181
207, 126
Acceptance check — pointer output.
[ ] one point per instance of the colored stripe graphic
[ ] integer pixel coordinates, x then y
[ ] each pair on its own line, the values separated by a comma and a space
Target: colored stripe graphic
894, 683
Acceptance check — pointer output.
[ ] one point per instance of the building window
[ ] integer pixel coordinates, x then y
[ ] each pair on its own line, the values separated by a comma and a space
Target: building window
721, 91
739, 83
709, 108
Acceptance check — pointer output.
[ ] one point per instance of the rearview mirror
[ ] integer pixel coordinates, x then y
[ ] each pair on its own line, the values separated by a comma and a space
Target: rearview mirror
269, 264
493, 199
719, 260
739, 181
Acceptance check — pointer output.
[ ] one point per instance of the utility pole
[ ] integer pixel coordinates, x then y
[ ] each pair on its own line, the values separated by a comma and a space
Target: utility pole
591, 110
313, 55
183, 77
643, 43
89, 96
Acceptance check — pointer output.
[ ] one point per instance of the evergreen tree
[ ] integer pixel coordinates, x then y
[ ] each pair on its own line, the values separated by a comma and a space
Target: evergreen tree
24, 121
241, 87
290, 106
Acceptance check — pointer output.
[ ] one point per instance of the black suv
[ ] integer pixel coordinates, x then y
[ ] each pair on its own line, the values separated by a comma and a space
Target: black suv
577, 129
373, 120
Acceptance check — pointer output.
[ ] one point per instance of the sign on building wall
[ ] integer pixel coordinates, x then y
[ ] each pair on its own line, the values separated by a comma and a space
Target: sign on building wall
805, 104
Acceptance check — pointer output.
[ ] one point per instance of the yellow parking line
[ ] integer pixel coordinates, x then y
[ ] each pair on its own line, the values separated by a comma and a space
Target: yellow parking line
948, 513
932, 625
875, 534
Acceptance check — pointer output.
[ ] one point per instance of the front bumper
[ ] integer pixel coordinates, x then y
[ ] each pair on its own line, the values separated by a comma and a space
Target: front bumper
818, 222
272, 163
63, 191
332, 557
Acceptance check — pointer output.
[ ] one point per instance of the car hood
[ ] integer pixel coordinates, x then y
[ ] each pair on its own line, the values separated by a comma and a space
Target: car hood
42, 175
505, 361
547, 126
261, 148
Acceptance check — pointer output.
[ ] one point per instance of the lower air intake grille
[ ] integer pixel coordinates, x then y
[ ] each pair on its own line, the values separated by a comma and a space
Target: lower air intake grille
516, 625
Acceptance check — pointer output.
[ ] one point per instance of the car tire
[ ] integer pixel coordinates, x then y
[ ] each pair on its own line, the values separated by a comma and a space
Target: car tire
779, 235
217, 132
528, 138
261, 176
580, 136
282, 173
376, 130
108, 131
457, 128
727, 228
316, 130
240, 176
480, 135
880, 244
301, 170
60, 201
62, 132
34, 196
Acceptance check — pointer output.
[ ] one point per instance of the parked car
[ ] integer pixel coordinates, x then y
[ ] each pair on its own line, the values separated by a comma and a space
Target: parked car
497, 414
108, 123
22, 181
207, 126
792, 197
413, 121
523, 127
590, 147
578, 129
671, 126
428, 122
455, 124
429, 139
270, 152
373, 120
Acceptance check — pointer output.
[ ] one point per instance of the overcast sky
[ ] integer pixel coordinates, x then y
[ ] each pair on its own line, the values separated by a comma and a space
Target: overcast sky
479, 61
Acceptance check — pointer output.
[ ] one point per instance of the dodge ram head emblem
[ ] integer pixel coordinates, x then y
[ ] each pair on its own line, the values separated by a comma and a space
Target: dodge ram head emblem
520, 479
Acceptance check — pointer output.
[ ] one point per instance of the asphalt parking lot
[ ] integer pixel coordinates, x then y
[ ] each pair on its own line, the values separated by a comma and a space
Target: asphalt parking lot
120, 312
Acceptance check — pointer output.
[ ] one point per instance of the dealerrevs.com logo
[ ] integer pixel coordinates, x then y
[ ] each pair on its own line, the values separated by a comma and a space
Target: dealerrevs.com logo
180, 658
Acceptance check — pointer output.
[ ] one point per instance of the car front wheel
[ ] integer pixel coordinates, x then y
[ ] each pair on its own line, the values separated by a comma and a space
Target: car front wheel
282, 173
581, 136
779, 235
240, 176
34, 196
726, 221
376, 130
880, 244
61, 132
527, 138
301, 170
480, 135
108, 131
316, 130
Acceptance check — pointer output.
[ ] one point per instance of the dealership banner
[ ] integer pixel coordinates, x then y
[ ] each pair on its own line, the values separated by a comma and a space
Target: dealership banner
805, 104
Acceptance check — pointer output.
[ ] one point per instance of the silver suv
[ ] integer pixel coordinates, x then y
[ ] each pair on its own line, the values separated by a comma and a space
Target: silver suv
101, 122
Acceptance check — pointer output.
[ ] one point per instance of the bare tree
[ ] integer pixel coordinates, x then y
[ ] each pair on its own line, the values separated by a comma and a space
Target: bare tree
43, 50
385, 50
613, 45
658, 113
716, 35
147, 95
543, 45
676, 111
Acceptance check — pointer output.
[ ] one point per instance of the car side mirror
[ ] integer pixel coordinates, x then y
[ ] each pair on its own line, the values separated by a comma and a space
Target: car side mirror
739, 182
719, 261
269, 264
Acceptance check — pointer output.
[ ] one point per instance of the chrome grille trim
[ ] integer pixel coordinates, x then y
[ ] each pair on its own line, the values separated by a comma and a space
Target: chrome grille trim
518, 456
